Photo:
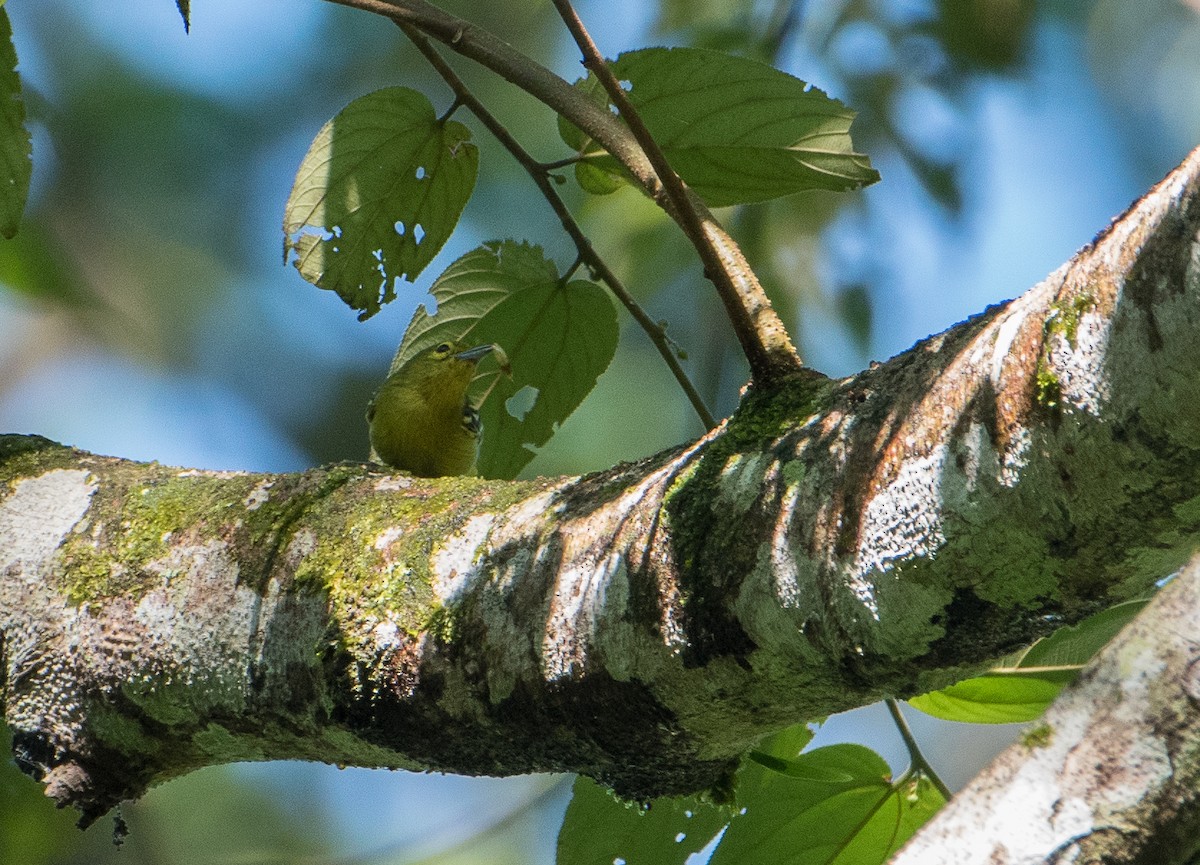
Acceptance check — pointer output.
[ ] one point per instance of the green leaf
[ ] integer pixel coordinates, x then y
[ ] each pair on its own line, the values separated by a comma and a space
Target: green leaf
377, 195
591, 178
793, 818
572, 135
830, 805
600, 829
15, 150
184, 7
558, 338
991, 699
738, 131
1076, 644
1021, 690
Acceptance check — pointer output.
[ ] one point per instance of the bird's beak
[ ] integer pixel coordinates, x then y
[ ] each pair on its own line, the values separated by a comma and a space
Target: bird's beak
475, 354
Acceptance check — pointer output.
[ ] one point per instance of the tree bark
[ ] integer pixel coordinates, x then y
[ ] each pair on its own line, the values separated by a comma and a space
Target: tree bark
1111, 773
831, 543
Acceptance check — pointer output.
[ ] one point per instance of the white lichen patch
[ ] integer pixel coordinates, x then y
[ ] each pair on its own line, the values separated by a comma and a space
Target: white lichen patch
37, 516
1006, 334
1015, 457
453, 563
740, 482
1080, 363
901, 522
522, 519
259, 495
388, 537
392, 483
579, 597
386, 635
784, 571
302, 545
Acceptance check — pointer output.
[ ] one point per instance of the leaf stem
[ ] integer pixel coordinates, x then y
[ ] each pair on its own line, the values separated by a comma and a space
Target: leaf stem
916, 758
584, 249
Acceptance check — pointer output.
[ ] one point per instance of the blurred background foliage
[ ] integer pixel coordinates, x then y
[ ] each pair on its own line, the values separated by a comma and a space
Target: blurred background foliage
145, 312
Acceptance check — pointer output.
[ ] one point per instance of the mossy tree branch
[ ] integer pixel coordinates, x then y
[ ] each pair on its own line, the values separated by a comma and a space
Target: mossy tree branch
832, 543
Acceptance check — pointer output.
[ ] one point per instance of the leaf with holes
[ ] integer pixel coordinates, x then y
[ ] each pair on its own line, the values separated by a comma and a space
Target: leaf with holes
832, 805
737, 131
600, 829
377, 195
559, 337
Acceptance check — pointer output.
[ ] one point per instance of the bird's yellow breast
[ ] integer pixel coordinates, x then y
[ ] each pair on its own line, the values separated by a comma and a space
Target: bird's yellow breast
421, 420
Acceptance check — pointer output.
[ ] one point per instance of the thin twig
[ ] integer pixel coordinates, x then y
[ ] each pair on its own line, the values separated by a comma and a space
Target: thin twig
762, 336
915, 757
583, 246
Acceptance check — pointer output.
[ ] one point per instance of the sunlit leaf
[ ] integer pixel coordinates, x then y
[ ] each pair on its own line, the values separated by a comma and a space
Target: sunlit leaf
830, 805
558, 338
737, 131
15, 162
600, 829
1023, 688
377, 195
858, 818
991, 699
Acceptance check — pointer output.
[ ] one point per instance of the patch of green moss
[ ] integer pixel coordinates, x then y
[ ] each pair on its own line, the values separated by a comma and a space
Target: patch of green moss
1047, 388
220, 745
119, 731
393, 581
1065, 315
23, 456
1038, 736
703, 532
141, 520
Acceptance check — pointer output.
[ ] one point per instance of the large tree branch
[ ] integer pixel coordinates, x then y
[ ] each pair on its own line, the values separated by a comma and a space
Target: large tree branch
831, 543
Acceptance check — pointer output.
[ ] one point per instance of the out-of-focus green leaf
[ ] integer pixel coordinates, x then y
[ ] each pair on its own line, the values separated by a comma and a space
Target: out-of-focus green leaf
377, 195
987, 34
15, 151
32, 263
1021, 690
600, 829
184, 7
558, 338
596, 180
796, 817
739, 131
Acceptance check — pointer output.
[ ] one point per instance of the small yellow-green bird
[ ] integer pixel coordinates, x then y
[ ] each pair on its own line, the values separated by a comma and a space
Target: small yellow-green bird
422, 420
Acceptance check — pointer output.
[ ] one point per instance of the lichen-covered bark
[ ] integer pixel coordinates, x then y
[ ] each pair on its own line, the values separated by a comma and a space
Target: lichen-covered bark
1110, 774
832, 542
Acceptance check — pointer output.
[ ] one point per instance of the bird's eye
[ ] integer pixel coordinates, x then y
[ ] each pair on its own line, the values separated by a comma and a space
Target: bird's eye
443, 348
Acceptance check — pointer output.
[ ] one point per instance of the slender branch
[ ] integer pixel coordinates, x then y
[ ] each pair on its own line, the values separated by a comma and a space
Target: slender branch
765, 343
500, 57
758, 328
915, 757
583, 246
